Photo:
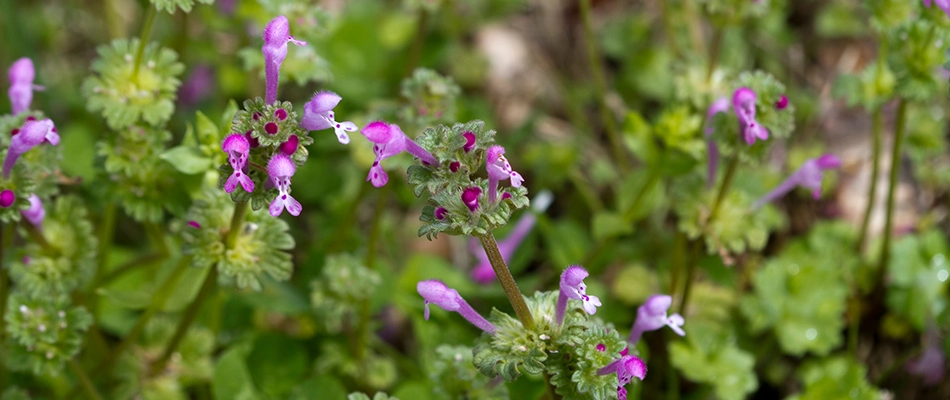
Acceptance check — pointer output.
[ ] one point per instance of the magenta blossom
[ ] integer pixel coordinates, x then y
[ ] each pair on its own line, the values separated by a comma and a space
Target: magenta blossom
809, 176
743, 101
572, 287
7, 197
712, 151
437, 293
483, 272
943, 4
390, 140
237, 148
35, 213
470, 197
280, 169
276, 37
652, 316
499, 169
318, 115
21, 76
627, 367
32, 134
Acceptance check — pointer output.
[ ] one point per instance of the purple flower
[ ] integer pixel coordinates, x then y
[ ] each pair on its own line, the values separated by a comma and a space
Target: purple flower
276, 37
808, 176
237, 148
318, 115
712, 151
437, 293
439, 213
470, 197
7, 197
626, 367
280, 169
289, 147
572, 287
943, 4
31, 134
21, 76
499, 169
469, 141
743, 101
194, 224
35, 213
652, 316
390, 140
782, 102
930, 364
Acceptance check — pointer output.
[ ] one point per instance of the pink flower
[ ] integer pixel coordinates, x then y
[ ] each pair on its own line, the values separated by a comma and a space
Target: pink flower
627, 367
809, 176
237, 148
32, 134
318, 115
276, 37
652, 316
743, 101
35, 214
436, 292
390, 140
572, 287
499, 169
21, 76
280, 169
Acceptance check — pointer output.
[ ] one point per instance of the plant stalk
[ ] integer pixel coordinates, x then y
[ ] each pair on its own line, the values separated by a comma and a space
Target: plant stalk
84, 380
724, 188
208, 286
105, 234
143, 40
875, 171
507, 281
237, 223
899, 127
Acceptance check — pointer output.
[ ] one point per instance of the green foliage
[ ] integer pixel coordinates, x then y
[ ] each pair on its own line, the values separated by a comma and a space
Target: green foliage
14, 393
43, 332
431, 98
835, 378
125, 97
919, 271
870, 89
344, 286
69, 263
171, 5
801, 294
456, 378
920, 51
259, 250
377, 396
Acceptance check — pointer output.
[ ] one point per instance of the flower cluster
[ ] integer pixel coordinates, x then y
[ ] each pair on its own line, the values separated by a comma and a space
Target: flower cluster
267, 142
564, 340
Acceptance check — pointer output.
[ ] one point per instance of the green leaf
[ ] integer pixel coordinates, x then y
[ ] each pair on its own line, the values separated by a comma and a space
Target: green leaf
835, 378
729, 370
608, 224
130, 299
231, 380
276, 364
319, 388
187, 159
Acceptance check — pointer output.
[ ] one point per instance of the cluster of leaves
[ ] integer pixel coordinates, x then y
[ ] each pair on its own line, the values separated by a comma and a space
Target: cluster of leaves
345, 285
430, 98
43, 332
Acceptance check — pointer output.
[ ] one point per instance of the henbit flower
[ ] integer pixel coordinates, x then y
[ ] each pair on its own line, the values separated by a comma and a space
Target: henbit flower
469, 141
318, 115
943, 4
712, 151
809, 176
7, 197
930, 364
237, 148
437, 293
626, 367
276, 37
21, 76
32, 134
572, 287
499, 169
35, 213
470, 197
483, 272
289, 147
782, 102
390, 140
652, 316
743, 101
280, 169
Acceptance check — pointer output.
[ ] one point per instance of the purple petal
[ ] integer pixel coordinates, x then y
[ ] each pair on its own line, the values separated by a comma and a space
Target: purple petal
281, 166
7, 197
35, 213
828, 161
438, 293
322, 102
22, 72
237, 143
378, 132
377, 175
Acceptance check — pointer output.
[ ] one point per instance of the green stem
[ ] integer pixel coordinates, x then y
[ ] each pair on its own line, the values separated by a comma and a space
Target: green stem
84, 380
899, 126
143, 40
690, 273
724, 188
191, 313
105, 234
507, 281
237, 223
875, 171
677, 260
652, 180
600, 86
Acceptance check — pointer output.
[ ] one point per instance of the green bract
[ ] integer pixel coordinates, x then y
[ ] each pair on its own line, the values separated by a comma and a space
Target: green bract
455, 376
258, 251
71, 263
43, 332
138, 176
124, 97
